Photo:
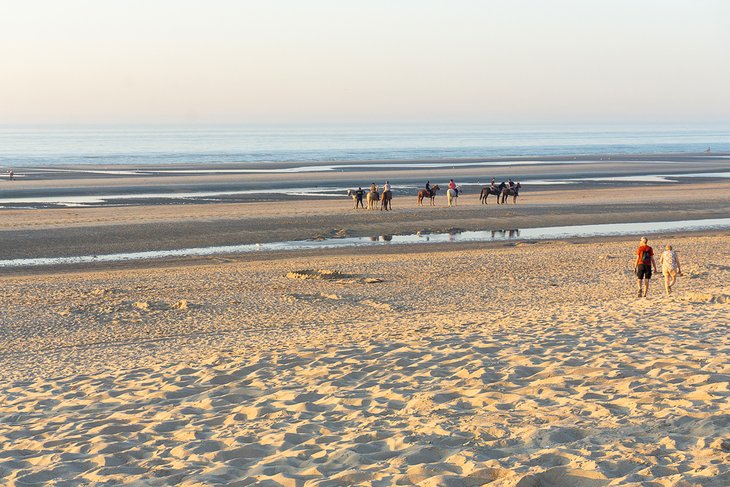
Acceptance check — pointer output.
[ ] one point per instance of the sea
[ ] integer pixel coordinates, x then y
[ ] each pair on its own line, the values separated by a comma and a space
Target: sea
141, 145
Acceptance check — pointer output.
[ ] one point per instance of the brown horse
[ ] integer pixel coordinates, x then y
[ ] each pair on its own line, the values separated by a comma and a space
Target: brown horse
385, 201
425, 194
487, 190
514, 192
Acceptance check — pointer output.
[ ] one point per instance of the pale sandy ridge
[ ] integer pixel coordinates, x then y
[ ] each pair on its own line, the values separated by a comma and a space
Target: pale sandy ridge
528, 365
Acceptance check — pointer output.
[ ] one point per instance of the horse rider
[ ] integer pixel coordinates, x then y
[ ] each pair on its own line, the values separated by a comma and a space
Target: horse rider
358, 198
493, 185
452, 185
511, 184
428, 188
386, 187
373, 188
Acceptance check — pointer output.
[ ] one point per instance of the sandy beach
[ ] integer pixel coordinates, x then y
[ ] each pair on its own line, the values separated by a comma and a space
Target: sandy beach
506, 363
221, 262
523, 363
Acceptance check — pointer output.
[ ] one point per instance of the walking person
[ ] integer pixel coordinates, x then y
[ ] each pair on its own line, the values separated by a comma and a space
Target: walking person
358, 198
644, 264
671, 268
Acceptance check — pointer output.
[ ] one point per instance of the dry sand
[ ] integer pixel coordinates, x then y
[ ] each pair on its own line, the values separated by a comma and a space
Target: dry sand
526, 364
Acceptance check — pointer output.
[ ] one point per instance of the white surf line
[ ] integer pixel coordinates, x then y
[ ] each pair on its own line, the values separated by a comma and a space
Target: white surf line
702, 175
378, 165
101, 199
116, 172
655, 178
319, 167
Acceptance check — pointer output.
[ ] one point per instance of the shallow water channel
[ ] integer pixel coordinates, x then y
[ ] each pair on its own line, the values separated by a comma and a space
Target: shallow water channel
540, 233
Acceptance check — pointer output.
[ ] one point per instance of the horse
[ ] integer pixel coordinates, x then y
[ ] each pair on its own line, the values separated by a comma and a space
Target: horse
495, 190
452, 195
385, 201
372, 198
425, 194
514, 192
352, 193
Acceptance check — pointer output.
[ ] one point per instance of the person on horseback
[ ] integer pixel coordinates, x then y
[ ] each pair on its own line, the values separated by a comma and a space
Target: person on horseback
386, 187
373, 188
428, 188
452, 185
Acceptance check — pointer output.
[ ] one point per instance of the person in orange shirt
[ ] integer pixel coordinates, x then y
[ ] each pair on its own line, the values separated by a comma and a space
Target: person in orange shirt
643, 266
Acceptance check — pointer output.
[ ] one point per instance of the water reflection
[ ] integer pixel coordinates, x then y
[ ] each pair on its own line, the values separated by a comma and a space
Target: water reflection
380, 238
514, 233
451, 236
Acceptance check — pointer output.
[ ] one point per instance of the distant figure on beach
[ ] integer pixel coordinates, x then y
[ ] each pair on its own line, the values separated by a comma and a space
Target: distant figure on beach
644, 264
11, 175
708, 150
671, 268
358, 198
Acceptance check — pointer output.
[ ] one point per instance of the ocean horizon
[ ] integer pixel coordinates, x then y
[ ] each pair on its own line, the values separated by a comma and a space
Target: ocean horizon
27, 146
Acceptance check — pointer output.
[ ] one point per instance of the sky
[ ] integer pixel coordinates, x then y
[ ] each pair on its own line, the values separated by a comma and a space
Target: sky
372, 61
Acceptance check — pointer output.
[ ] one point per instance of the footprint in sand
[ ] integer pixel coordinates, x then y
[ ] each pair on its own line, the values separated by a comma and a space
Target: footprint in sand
712, 298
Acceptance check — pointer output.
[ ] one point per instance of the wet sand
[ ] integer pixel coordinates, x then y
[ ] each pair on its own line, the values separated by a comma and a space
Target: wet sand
94, 231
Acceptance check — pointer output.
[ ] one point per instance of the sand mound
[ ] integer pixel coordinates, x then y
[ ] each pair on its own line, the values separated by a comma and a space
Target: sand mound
700, 297
316, 274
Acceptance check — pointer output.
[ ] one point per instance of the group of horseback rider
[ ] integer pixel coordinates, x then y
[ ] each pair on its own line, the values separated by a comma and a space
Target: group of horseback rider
359, 194
452, 185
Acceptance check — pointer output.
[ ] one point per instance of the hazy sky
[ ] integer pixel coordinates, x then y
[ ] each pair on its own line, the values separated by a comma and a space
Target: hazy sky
183, 61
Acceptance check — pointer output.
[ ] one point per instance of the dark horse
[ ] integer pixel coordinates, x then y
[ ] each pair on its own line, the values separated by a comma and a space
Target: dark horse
426, 194
514, 192
487, 190
385, 200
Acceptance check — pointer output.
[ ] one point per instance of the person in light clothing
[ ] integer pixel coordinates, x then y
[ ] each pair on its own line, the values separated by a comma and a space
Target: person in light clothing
671, 268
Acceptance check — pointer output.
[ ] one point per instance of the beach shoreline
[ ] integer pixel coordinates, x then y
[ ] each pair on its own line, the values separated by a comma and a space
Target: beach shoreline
56, 232
509, 363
